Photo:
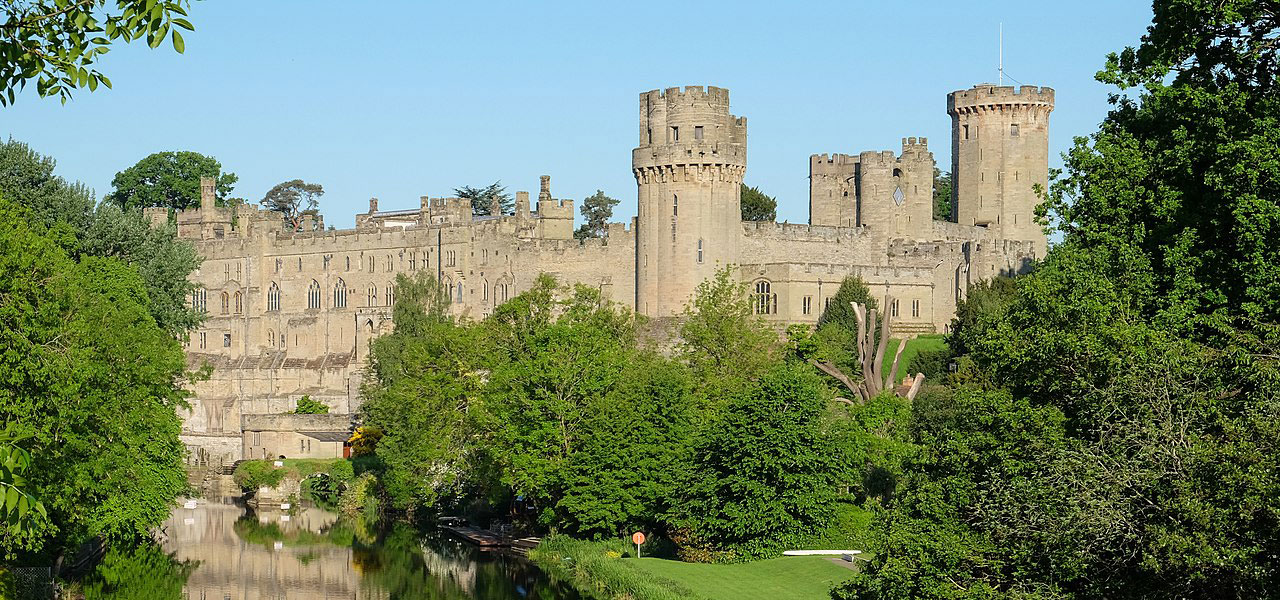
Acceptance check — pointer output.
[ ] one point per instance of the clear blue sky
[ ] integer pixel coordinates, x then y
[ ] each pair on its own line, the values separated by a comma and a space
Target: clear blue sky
403, 99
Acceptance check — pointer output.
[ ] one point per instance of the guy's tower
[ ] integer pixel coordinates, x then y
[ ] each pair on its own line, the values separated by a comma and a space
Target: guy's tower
688, 169
999, 152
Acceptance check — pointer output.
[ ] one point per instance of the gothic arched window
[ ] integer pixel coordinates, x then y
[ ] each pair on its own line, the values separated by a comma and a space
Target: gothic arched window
239, 302
766, 302
313, 294
226, 303
340, 294
373, 295
459, 293
391, 295
273, 297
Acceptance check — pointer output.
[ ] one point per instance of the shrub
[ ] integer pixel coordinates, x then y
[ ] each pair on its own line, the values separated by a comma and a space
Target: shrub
307, 406
254, 474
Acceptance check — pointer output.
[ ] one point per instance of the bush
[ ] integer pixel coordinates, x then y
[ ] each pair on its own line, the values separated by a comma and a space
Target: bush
307, 406
254, 474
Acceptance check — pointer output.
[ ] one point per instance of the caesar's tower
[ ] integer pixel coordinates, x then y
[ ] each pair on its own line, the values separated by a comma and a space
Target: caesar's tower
999, 152
688, 170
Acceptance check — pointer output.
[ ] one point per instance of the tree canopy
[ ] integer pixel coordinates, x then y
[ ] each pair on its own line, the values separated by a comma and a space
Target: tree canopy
942, 187
293, 199
758, 206
483, 198
171, 180
59, 43
596, 209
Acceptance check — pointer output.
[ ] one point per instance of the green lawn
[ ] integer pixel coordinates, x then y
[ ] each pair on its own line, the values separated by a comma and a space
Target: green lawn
914, 346
786, 578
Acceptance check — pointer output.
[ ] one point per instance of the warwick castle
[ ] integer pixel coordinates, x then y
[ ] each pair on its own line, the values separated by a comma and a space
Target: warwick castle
292, 313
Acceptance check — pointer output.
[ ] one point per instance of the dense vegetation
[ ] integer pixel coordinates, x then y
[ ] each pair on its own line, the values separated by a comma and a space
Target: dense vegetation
1110, 431
553, 412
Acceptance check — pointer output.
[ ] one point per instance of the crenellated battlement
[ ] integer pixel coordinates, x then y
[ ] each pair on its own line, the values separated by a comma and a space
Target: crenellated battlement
689, 94
986, 96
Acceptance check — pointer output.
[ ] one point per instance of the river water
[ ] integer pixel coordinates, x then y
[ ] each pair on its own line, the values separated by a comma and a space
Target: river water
311, 554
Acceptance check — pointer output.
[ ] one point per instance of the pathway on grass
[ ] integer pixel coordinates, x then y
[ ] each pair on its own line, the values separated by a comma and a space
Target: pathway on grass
787, 578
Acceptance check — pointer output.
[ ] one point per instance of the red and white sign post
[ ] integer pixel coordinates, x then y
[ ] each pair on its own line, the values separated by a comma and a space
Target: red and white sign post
638, 538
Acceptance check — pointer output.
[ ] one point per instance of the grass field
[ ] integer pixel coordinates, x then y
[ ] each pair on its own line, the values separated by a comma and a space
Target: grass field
924, 342
787, 578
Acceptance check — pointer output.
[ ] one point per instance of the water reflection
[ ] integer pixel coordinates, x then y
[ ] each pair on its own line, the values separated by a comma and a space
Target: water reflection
311, 554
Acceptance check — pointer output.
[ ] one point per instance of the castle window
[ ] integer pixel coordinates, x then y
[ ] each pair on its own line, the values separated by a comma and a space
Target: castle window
313, 294
413, 261
806, 305
372, 264
226, 303
327, 258
699, 251
373, 295
966, 132
281, 339
226, 272
915, 308
650, 136
218, 232
202, 338
198, 299
391, 265
348, 263
897, 172
238, 271
893, 308
1013, 130
458, 298
675, 133
271, 337
257, 438
239, 302
299, 263
766, 302
391, 295
273, 297
226, 340
484, 287
340, 294
697, 132
675, 204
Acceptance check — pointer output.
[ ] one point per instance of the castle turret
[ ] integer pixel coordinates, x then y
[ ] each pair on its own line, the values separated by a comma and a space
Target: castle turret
688, 169
999, 152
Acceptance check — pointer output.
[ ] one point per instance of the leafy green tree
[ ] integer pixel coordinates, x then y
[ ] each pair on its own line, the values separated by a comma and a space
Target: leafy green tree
942, 187
94, 382
307, 406
483, 198
596, 209
140, 572
758, 206
839, 309
57, 43
764, 475
721, 337
426, 379
169, 179
15, 501
27, 178
635, 449
164, 261
984, 304
293, 199
555, 351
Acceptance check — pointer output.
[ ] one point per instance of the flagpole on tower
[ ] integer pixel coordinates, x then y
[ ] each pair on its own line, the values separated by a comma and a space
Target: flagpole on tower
1001, 53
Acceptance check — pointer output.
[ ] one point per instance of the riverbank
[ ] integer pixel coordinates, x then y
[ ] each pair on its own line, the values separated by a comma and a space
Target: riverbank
607, 570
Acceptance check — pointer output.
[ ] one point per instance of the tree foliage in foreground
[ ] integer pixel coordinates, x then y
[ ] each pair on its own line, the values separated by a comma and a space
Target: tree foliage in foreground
80, 344
1114, 435
58, 43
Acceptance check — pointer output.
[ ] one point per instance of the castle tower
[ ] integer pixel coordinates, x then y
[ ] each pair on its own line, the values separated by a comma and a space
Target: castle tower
999, 151
688, 169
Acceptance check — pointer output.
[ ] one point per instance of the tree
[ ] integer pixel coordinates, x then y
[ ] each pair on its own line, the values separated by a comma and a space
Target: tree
721, 337
307, 406
983, 305
93, 383
764, 475
17, 501
163, 260
597, 209
942, 187
839, 309
483, 199
757, 206
293, 199
169, 179
58, 43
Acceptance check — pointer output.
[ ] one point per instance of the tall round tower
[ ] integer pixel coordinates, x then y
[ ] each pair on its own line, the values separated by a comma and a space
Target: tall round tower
999, 152
688, 169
